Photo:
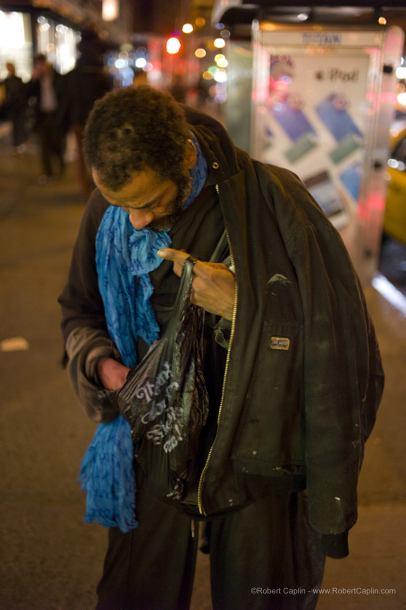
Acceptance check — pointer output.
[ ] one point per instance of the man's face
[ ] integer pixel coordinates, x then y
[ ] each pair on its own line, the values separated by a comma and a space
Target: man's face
151, 201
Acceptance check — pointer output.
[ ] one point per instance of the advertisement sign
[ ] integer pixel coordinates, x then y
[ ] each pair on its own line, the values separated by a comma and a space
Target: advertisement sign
315, 122
322, 105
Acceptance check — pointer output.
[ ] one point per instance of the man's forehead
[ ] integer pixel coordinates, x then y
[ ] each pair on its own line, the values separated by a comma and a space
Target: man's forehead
145, 188
145, 178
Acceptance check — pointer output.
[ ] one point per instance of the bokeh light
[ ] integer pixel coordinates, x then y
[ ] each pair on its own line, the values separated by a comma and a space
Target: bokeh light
173, 45
219, 43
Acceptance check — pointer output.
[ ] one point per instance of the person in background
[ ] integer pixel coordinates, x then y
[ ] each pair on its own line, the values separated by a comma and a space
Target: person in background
291, 364
15, 105
47, 90
139, 78
178, 89
83, 85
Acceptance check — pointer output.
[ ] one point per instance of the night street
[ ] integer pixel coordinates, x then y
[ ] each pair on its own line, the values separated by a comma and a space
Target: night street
51, 560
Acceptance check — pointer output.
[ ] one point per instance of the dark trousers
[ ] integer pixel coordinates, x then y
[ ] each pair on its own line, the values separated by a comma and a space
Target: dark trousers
52, 143
19, 132
264, 556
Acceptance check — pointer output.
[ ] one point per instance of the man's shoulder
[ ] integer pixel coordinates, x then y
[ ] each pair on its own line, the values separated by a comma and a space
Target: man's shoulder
278, 179
294, 205
207, 126
277, 171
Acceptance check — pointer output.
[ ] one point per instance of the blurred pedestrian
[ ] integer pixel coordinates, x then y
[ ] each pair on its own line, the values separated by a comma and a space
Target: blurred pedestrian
178, 89
14, 106
202, 91
140, 77
86, 83
46, 87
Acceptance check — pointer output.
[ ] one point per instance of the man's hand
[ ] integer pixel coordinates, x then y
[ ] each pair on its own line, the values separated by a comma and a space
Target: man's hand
111, 373
213, 283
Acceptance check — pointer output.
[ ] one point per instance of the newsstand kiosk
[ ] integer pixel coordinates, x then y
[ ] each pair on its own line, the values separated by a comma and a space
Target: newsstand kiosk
322, 104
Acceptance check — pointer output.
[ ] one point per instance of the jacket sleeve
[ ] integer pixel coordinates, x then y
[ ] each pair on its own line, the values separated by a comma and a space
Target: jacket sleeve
83, 320
81, 301
343, 376
84, 347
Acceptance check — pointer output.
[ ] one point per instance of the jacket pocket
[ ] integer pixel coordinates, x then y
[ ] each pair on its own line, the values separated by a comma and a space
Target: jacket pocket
271, 431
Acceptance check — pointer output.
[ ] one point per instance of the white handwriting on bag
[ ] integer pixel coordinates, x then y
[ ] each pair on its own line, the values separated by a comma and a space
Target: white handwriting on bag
149, 390
169, 429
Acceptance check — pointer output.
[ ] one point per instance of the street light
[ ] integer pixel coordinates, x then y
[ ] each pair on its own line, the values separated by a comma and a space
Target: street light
219, 43
173, 45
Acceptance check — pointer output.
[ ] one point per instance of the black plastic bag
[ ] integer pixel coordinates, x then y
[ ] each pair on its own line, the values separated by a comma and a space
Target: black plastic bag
165, 399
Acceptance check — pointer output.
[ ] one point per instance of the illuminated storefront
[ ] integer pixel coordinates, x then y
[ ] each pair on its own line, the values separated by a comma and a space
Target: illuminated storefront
54, 28
58, 42
16, 44
22, 34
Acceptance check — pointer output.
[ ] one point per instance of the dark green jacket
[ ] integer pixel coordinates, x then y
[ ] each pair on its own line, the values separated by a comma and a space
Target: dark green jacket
303, 378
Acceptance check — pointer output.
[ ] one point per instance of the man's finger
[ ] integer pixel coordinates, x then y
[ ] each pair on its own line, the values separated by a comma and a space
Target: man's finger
177, 256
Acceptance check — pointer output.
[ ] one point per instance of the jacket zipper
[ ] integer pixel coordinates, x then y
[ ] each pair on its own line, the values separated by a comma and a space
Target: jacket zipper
199, 491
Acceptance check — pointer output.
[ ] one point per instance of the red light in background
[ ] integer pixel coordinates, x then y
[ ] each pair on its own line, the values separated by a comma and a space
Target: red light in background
173, 45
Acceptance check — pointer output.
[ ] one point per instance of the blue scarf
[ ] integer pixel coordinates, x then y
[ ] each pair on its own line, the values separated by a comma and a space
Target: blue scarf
124, 259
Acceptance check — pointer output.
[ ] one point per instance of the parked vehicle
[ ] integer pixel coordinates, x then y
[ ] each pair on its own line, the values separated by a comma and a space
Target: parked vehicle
394, 223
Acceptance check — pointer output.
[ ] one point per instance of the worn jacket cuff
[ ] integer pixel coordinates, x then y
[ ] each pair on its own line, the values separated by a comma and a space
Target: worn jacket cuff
84, 347
335, 545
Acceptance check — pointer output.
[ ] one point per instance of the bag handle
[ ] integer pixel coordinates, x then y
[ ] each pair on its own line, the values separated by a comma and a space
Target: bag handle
219, 251
183, 297
182, 302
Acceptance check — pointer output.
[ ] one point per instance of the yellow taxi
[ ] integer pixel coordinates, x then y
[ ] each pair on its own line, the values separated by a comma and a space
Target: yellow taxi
394, 222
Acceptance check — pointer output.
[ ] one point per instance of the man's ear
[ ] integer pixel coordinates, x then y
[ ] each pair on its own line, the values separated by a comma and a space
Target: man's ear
191, 155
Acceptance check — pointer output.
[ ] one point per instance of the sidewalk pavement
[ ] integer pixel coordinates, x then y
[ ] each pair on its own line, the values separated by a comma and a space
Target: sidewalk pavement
51, 560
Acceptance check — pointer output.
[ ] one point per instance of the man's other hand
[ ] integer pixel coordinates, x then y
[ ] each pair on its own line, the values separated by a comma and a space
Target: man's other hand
111, 373
213, 285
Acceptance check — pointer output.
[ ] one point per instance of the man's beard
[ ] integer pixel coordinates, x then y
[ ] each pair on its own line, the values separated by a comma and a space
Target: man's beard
184, 184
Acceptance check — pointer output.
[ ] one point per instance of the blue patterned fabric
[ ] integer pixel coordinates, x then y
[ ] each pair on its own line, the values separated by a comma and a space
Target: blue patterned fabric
107, 475
198, 173
124, 258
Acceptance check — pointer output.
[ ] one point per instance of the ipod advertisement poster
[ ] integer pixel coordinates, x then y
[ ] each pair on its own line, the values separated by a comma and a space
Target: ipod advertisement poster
314, 123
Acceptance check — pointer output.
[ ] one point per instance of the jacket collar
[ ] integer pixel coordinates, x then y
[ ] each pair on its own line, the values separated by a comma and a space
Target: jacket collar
216, 145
